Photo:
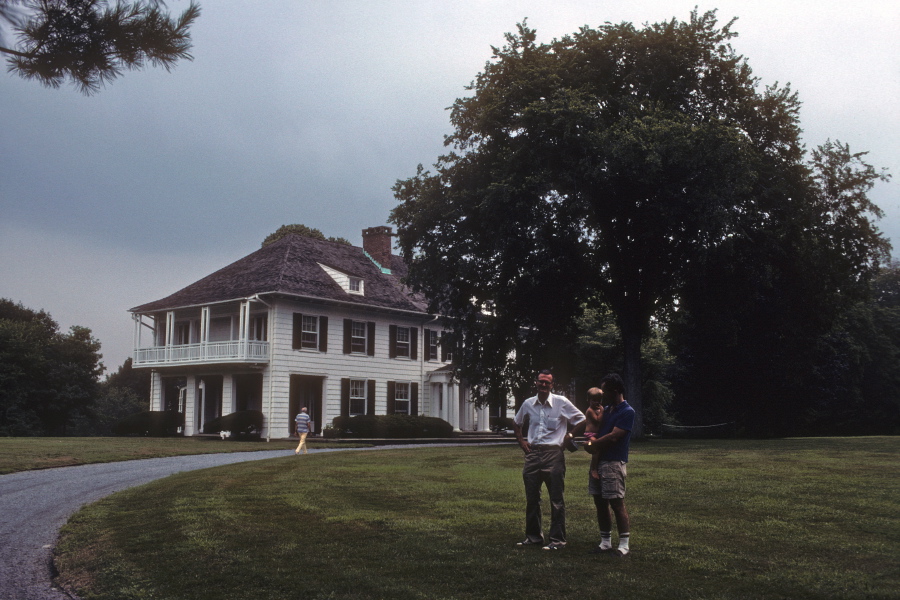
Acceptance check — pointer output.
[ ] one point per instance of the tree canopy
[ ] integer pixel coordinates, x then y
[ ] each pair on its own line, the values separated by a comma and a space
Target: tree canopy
46, 377
604, 168
91, 42
300, 229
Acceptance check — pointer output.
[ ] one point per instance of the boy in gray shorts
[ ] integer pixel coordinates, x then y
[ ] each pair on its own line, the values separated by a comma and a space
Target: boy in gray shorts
607, 484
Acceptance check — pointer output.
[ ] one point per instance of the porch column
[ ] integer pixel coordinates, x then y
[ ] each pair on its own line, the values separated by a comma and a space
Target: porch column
155, 390
170, 333
204, 330
228, 398
244, 328
454, 407
190, 405
484, 418
136, 337
445, 402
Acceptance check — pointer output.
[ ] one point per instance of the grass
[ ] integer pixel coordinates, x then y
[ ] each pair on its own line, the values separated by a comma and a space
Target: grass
798, 518
26, 454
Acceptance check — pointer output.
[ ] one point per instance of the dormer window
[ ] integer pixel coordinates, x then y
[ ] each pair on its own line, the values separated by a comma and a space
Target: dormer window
349, 283
356, 285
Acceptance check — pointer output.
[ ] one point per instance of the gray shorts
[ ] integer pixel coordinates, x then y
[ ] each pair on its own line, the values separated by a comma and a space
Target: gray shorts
612, 480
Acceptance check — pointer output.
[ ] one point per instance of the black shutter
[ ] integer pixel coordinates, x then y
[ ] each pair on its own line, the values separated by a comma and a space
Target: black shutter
392, 387
392, 342
348, 331
297, 338
443, 349
370, 397
426, 340
323, 334
414, 399
345, 397
370, 339
413, 343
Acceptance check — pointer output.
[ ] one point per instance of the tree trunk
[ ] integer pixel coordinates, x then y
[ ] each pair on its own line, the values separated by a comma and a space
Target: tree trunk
632, 339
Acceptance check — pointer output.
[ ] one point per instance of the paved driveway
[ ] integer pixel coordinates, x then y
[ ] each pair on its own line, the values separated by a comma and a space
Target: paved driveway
35, 504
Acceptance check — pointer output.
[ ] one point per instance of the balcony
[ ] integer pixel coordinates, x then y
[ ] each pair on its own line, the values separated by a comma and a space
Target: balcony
233, 351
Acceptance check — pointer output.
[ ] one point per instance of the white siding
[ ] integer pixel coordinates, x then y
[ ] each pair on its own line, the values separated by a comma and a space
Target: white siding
334, 365
331, 366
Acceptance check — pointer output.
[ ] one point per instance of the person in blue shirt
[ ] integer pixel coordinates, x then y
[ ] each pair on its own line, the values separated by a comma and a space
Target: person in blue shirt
607, 484
303, 427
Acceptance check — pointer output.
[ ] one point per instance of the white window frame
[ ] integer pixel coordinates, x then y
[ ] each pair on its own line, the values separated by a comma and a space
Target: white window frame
356, 285
402, 397
357, 395
309, 335
359, 343
432, 345
402, 348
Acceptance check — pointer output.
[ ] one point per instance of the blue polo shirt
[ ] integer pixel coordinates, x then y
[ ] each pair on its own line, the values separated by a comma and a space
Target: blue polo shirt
621, 416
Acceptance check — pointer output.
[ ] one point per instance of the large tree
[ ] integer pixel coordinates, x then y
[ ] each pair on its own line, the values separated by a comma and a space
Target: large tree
91, 42
602, 167
46, 377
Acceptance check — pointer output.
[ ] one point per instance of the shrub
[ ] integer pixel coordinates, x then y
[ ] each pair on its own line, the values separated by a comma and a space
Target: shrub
153, 423
393, 426
501, 423
243, 423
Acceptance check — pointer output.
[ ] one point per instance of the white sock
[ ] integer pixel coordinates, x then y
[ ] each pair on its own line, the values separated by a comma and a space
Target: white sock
623, 543
606, 540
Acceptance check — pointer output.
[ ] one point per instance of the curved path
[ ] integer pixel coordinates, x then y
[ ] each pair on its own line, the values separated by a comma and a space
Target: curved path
35, 504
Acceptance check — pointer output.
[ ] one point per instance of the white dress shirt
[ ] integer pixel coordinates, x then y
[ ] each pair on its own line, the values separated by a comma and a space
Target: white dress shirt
548, 421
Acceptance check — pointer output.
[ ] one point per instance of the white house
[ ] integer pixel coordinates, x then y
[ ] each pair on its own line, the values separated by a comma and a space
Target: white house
301, 322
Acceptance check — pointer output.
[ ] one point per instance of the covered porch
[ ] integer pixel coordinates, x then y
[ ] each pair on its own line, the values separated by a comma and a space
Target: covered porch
233, 332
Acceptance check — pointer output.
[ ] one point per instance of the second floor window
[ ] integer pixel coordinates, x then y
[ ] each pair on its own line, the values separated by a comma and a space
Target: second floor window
431, 344
403, 342
358, 337
310, 332
309, 337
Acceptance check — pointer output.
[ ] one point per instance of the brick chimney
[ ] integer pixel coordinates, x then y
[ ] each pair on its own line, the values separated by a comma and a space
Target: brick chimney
377, 243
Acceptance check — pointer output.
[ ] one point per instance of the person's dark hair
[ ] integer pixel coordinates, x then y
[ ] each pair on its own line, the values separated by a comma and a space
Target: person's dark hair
544, 372
613, 383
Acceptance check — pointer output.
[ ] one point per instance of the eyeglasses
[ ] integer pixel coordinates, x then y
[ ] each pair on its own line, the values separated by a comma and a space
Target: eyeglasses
539, 382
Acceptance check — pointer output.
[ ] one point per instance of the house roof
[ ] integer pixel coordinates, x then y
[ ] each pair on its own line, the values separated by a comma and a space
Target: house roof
290, 266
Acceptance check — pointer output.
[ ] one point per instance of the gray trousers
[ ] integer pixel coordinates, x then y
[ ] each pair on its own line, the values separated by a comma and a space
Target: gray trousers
545, 465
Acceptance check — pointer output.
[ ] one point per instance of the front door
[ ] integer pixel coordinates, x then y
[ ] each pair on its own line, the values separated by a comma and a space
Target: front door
209, 400
248, 391
306, 390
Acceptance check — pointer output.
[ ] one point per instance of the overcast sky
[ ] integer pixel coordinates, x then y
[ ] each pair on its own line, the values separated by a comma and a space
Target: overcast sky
308, 112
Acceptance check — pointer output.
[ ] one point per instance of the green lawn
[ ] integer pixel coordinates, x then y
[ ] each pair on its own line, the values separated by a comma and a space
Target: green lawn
28, 453
798, 518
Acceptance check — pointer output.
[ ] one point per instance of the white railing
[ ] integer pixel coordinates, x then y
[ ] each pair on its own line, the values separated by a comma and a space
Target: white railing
231, 351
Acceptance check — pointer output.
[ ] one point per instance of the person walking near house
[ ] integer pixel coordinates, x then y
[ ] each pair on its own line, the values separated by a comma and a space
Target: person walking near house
549, 416
303, 428
607, 484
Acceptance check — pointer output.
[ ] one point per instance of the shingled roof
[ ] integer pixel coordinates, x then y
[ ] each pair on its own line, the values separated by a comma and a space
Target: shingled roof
290, 266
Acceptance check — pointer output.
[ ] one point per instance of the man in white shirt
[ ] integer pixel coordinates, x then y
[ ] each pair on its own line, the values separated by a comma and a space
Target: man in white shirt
549, 418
